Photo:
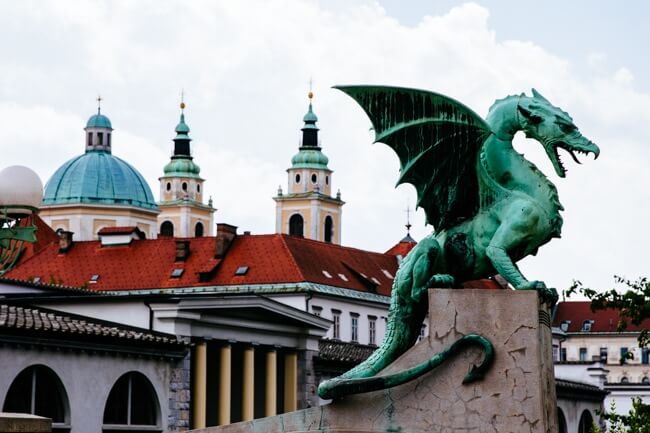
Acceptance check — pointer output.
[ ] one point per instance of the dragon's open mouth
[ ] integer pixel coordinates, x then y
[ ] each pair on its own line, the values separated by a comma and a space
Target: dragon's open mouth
571, 150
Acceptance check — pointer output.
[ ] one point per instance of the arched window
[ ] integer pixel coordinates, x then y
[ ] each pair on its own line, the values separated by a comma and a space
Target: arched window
328, 229
645, 379
167, 229
169, 186
561, 421
586, 421
132, 403
314, 178
198, 187
296, 225
184, 186
198, 230
38, 390
624, 379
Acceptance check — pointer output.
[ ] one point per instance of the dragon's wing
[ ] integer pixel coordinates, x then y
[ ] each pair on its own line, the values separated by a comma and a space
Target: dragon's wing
437, 140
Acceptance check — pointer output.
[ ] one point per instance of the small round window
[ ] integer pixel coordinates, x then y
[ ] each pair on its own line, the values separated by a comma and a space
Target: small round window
169, 186
198, 188
297, 178
327, 180
184, 186
314, 178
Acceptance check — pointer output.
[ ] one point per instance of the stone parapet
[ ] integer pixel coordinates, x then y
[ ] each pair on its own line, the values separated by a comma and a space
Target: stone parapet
24, 423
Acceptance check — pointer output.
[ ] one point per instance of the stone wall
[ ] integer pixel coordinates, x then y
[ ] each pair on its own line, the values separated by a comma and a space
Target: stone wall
178, 418
307, 380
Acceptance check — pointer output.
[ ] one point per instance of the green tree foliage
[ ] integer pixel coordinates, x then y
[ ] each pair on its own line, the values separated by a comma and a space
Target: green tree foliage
637, 421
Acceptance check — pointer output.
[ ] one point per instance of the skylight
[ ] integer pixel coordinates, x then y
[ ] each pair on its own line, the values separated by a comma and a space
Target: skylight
327, 274
176, 273
94, 278
242, 270
388, 274
375, 280
343, 277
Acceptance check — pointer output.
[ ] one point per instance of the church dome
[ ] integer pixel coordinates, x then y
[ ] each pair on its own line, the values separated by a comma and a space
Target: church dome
99, 121
310, 158
98, 178
182, 167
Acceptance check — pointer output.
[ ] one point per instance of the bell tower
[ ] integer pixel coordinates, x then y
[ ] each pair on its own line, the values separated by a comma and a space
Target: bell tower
183, 213
308, 208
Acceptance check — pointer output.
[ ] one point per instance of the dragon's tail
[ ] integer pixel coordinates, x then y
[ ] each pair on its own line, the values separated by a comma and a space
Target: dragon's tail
341, 386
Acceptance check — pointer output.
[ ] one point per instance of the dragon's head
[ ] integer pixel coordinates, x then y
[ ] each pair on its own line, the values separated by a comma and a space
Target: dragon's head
553, 128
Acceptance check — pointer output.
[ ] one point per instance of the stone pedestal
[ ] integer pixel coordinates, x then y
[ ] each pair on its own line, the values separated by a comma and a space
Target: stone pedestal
517, 394
24, 423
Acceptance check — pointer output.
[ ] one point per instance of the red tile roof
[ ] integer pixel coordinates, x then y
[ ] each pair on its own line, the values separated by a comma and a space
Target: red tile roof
603, 320
148, 264
403, 247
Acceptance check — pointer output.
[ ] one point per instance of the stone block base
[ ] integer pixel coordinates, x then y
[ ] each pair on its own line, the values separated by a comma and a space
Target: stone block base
517, 394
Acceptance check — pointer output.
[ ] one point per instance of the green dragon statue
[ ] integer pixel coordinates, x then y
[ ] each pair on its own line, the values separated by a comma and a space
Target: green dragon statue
490, 208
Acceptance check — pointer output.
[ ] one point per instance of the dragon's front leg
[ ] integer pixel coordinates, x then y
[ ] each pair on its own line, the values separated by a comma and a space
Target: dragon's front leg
521, 224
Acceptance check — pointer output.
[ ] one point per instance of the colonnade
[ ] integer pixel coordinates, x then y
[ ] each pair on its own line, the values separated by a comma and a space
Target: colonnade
236, 387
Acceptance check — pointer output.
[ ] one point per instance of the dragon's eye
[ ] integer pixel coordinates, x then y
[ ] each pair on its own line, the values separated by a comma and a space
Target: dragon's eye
566, 128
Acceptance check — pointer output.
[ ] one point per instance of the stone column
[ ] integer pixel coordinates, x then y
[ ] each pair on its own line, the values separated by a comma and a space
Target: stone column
248, 384
290, 381
223, 412
199, 376
270, 390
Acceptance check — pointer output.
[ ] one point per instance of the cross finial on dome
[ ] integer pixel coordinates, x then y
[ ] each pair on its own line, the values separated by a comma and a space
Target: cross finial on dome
182, 99
99, 104
310, 95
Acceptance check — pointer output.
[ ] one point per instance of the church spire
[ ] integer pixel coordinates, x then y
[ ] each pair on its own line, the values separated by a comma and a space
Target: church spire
310, 130
182, 139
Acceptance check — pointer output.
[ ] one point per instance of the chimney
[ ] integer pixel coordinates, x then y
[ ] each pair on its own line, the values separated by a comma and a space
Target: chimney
65, 240
225, 235
182, 250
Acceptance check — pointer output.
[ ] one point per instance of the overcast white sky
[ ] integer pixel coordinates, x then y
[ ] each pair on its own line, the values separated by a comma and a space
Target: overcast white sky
245, 68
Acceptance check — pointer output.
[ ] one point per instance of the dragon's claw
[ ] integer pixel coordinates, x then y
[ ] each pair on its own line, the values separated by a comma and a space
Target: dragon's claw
548, 295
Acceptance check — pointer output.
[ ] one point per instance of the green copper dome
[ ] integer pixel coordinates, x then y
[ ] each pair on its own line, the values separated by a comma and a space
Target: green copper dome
310, 118
310, 158
182, 167
99, 121
98, 178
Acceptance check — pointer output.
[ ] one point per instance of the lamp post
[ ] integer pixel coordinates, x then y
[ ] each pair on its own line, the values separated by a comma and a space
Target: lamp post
21, 192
